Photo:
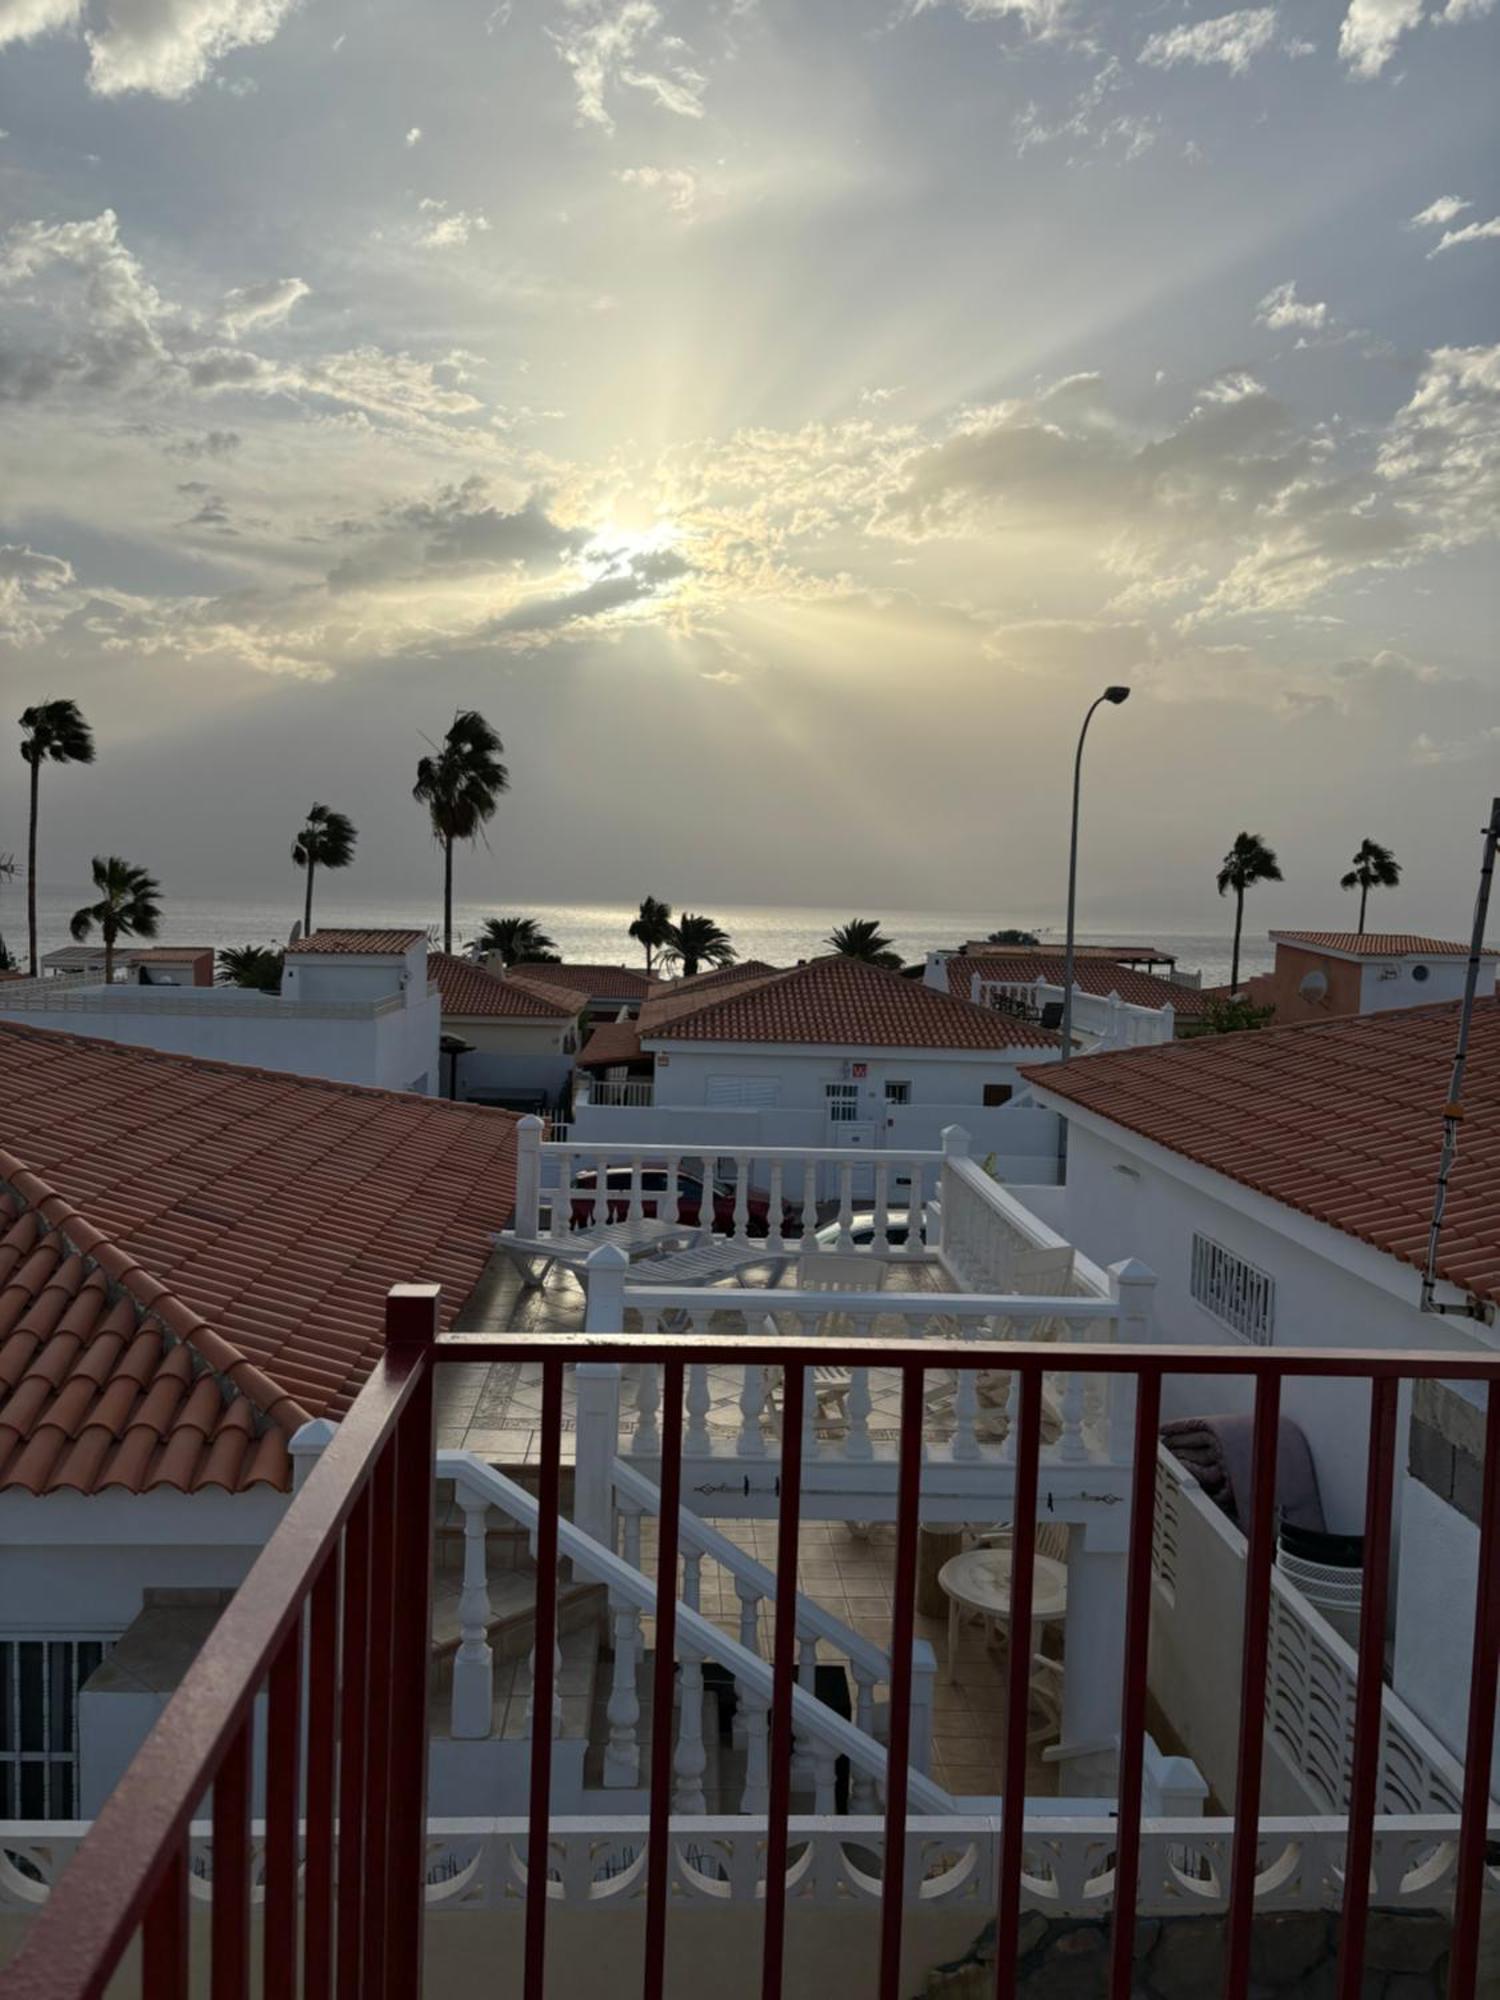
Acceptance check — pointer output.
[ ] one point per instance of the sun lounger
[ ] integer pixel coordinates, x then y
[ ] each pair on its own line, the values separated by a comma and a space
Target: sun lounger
534, 1256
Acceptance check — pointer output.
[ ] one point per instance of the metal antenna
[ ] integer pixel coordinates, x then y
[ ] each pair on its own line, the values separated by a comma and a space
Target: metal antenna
1453, 1110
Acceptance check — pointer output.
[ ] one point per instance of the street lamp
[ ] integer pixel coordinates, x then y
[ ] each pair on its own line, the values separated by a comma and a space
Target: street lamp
1115, 695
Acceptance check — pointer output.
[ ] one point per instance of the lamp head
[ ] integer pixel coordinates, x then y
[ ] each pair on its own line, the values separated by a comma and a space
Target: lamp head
1117, 695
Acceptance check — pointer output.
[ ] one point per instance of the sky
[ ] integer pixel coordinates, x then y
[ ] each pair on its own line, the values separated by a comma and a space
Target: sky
780, 418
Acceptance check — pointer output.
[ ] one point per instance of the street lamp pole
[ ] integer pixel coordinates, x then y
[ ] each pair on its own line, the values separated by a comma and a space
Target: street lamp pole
1114, 695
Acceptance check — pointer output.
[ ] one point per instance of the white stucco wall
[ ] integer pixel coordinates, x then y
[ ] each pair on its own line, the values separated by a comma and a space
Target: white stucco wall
1435, 1616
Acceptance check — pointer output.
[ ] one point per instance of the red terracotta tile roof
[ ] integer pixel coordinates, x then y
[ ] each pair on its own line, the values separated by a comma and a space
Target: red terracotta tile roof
1340, 1119
357, 943
686, 996
1094, 975
1376, 944
246, 1225
471, 992
843, 1002
599, 982
166, 954
723, 975
611, 1042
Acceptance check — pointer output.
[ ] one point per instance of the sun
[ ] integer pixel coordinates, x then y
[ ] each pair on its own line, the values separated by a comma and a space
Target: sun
614, 547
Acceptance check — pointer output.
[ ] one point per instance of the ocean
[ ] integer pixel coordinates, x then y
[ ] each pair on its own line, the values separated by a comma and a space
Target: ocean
590, 933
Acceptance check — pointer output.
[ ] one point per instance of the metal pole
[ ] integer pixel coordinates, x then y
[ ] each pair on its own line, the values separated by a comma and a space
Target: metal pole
1067, 1013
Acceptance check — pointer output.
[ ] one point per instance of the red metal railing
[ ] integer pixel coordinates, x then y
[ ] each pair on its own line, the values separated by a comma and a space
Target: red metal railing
364, 1519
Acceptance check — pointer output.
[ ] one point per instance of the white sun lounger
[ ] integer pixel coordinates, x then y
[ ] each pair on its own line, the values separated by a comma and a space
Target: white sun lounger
534, 1256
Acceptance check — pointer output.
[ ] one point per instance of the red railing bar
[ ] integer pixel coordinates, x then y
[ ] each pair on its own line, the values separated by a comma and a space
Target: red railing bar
411, 1323
1463, 1950
1018, 1680
322, 1751
283, 1800
1133, 1690
166, 1963
903, 1632
658, 1838
543, 1683
1258, 1560
1369, 1691
1343, 1363
783, 1678
229, 1930
379, 1717
76, 1940
353, 1747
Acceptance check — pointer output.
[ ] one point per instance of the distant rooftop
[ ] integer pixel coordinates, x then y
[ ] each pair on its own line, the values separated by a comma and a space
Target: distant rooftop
1092, 974
358, 943
598, 982
472, 992
1377, 944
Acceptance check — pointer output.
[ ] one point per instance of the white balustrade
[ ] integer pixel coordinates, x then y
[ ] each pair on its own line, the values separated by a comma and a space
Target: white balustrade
473, 1699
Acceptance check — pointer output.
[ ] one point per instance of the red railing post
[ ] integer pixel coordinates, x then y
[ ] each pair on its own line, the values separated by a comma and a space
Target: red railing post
1133, 1692
783, 1678
283, 1797
411, 1327
1018, 1678
353, 1747
658, 1835
379, 1717
166, 1965
322, 1755
230, 1924
903, 1629
1479, 1746
1369, 1691
1258, 1559
543, 1683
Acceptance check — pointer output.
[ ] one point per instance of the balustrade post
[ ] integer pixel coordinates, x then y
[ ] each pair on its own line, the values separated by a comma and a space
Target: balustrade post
923, 1681
825, 1761
528, 1211
807, 1680
306, 1448
751, 1442
604, 1289
862, 1798
622, 1755
690, 1758
473, 1700
1133, 1287
596, 1443
756, 1796
696, 1441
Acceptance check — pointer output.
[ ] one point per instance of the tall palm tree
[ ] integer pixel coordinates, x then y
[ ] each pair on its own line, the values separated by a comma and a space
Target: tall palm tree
326, 841
519, 941
861, 938
257, 966
1375, 867
1249, 861
460, 786
55, 733
652, 928
693, 942
128, 906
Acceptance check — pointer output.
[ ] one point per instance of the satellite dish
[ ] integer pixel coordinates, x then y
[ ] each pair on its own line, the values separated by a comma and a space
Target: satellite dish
1314, 986
294, 934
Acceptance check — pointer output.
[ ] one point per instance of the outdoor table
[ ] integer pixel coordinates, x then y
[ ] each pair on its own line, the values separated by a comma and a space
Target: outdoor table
978, 1581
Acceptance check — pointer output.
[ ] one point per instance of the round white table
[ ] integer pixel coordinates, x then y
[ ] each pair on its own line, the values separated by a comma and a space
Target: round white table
978, 1582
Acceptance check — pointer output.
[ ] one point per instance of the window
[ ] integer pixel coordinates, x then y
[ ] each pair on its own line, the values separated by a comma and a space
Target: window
1238, 1296
39, 1683
898, 1093
843, 1103
997, 1094
741, 1090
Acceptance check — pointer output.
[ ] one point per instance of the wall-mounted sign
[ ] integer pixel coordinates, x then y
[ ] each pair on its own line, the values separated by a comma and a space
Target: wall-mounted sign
859, 1069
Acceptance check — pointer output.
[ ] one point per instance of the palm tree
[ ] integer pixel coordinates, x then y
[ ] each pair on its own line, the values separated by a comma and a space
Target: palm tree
1375, 867
652, 929
861, 938
460, 787
519, 941
257, 966
1249, 861
127, 907
696, 941
7, 957
56, 733
326, 841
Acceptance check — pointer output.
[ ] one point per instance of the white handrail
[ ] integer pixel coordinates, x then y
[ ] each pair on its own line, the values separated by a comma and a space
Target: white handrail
696, 1533
695, 1300
812, 1718
895, 1156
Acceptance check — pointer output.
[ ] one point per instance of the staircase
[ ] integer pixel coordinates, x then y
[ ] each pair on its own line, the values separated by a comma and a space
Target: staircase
603, 1713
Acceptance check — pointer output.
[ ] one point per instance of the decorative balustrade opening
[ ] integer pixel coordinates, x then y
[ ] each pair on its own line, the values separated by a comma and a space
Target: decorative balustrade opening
343, 1586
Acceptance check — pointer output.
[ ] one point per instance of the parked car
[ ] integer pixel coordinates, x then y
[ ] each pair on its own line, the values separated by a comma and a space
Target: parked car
619, 1185
862, 1229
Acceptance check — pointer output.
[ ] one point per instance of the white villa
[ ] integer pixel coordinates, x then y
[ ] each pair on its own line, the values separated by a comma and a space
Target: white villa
354, 1007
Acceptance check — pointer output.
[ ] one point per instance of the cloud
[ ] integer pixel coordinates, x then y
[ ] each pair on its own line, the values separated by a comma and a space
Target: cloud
677, 187
1233, 40
1281, 310
622, 44
24, 20
1087, 121
265, 304
212, 444
414, 136
448, 229
1439, 213
1442, 453
29, 582
1042, 20
1472, 232
166, 47
1372, 28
